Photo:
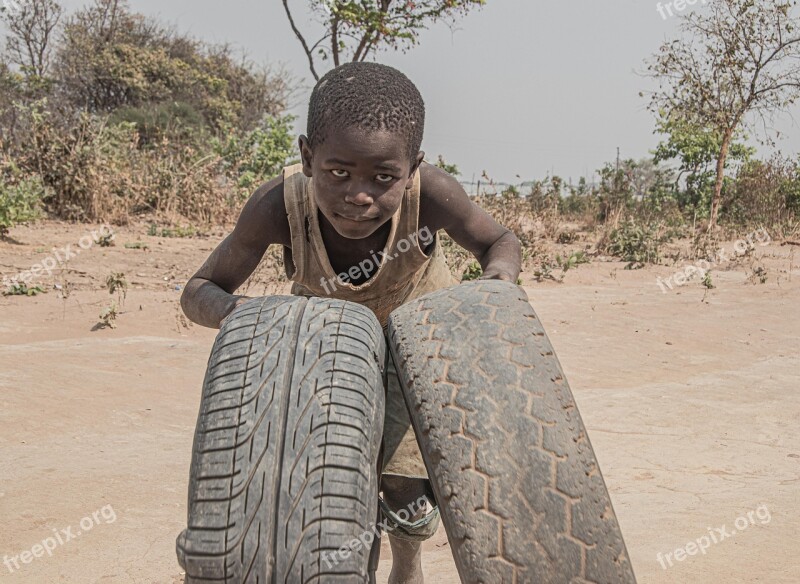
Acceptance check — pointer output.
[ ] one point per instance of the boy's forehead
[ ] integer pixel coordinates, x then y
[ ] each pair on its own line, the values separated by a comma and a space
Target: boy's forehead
354, 145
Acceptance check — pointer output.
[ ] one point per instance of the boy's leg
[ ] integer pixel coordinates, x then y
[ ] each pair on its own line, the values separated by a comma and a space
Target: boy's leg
405, 489
402, 493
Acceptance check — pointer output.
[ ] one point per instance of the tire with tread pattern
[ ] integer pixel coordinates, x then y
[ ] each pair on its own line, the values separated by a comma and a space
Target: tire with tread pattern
285, 451
518, 485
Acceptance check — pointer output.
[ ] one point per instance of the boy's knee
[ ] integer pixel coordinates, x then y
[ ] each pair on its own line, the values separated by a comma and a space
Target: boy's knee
408, 508
400, 492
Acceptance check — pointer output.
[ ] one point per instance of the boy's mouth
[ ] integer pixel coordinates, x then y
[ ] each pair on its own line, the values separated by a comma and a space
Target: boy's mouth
362, 219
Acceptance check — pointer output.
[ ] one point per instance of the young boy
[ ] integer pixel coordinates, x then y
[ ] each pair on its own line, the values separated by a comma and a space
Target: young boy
362, 186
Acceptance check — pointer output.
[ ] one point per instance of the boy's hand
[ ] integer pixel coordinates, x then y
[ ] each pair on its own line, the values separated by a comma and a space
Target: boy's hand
498, 275
502, 260
208, 298
239, 301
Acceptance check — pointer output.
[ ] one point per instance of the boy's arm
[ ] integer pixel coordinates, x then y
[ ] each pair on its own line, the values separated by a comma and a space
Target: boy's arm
208, 297
444, 204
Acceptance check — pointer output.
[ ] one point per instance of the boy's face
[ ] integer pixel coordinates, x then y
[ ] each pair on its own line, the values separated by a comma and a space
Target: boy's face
359, 178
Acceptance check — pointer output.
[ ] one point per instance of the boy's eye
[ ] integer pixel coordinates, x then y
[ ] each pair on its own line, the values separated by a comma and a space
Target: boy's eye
385, 178
339, 173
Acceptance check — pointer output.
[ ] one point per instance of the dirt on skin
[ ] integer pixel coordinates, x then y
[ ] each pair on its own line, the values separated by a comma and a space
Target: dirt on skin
690, 397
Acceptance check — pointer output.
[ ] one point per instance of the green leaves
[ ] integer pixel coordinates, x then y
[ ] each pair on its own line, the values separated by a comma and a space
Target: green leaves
573, 260
254, 157
694, 144
473, 271
696, 149
637, 244
20, 197
451, 169
352, 30
22, 289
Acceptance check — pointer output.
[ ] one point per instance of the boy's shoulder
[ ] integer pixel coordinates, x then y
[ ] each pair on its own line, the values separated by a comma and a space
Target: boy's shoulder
440, 193
265, 213
434, 180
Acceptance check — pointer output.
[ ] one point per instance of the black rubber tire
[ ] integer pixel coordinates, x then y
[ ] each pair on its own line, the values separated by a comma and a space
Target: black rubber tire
286, 446
520, 492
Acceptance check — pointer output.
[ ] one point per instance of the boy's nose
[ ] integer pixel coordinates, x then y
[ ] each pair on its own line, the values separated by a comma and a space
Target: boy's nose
359, 197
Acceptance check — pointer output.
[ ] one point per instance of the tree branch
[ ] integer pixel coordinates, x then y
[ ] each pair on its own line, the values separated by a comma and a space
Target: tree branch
371, 36
335, 39
302, 40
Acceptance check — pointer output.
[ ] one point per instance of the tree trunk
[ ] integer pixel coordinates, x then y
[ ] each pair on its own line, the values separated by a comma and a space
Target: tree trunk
723, 155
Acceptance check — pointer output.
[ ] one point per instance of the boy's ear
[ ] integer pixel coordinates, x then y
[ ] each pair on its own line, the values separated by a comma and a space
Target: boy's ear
305, 154
414, 168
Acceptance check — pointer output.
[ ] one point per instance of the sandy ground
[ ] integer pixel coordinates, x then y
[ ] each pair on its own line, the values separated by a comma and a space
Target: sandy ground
691, 401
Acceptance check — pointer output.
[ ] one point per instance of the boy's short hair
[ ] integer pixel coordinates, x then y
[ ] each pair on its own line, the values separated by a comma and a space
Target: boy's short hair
368, 96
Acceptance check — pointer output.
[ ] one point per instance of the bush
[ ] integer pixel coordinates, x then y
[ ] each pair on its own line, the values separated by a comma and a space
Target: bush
100, 171
110, 58
764, 193
581, 202
252, 158
20, 198
635, 243
140, 118
163, 121
73, 156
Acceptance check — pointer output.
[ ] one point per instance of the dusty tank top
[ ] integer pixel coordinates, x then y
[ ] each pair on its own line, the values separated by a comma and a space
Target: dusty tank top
406, 271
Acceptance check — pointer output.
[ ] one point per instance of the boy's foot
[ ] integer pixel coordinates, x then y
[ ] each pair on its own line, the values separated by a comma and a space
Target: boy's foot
406, 562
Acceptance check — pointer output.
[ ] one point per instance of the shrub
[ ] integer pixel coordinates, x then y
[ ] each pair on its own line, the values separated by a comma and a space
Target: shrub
99, 171
127, 123
20, 198
765, 193
572, 260
22, 289
109, 57
473, 272
164, 121
254, 157
635, 243
514, 212
581, 202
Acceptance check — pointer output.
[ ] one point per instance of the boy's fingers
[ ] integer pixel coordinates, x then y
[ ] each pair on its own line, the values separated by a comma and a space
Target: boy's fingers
239, 302
505, 277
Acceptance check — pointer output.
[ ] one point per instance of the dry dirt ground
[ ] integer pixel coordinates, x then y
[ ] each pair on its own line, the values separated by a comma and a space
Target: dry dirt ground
691, 401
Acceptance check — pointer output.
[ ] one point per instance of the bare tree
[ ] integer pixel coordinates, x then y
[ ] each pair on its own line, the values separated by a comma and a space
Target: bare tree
103, 17
737, 62
352, 30
31, 26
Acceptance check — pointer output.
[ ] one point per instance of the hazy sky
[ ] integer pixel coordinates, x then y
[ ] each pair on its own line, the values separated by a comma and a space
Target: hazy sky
523, 87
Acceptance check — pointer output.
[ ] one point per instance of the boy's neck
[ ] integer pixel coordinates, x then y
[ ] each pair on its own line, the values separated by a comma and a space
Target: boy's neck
335, 244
